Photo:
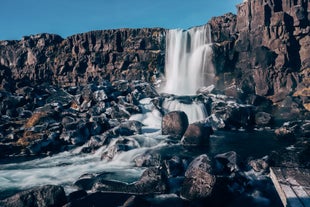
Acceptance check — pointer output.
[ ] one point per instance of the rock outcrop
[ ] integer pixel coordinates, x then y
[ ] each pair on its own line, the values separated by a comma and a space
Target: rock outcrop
130, 54
264, 49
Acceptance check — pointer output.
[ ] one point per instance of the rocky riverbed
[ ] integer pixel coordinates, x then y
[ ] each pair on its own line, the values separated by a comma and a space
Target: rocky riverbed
149, 156
82, 122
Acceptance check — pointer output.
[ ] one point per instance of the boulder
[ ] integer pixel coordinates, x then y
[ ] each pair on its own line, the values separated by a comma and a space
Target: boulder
174, 166
197, 134
260, 165
45, 196
262, 118
174, 124
199, 180
119, 145
228, 162
152, 181
99, 199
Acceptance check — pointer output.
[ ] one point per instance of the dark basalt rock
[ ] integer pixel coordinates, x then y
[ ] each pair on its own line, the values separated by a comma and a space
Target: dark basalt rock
197, 134
174, 124
45, 196
199, 180
98, 199
262, 118
262, 49
152, 181
228, 162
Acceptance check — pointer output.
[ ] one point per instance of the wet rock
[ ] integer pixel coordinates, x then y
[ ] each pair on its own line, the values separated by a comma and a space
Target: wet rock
260, 165
49, 195
197, 134
288, 131
228, 162
215, 122
97, 199
233, 114
174, 166
175, 124
199, 181
118, 146
262, 119
134, 201
148, 160
76, 195
152, 181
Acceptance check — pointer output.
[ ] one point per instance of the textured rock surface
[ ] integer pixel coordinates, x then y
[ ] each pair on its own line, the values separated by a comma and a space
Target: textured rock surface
131, 54
45, 196
199, 181
197, 134
264, 49
175, 124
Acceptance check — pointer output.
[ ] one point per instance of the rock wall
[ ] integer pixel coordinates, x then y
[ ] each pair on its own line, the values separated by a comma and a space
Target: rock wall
264, 49
93, 56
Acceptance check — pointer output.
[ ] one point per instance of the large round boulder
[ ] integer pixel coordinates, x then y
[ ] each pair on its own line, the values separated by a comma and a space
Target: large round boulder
197, 134
174, 124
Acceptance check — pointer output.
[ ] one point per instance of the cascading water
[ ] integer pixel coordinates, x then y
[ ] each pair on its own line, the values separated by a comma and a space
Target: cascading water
188, 60
188, 67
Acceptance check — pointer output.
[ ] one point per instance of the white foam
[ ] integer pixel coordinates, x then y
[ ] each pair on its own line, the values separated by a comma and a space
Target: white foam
188, 60
195, 111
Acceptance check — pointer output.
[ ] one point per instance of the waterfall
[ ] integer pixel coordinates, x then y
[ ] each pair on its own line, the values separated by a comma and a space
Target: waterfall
188, 60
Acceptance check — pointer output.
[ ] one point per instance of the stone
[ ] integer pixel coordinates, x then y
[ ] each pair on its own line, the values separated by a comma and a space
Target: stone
197, 134
134, 201
97, 199
263, 118
199, 180
174, 166
148, 159
228, 162
59, 60
174, 124
48, 195
118, 146
260, 165
152, 181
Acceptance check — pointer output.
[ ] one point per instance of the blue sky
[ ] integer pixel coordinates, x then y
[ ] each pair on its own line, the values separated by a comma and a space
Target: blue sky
67, 17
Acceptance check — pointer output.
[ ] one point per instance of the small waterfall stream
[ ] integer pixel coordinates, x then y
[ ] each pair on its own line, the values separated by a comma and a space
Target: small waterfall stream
188, 67
188, 60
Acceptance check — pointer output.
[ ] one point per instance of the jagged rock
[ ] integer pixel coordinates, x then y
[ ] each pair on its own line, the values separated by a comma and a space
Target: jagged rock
288, 130
97, 199
175, 124
259, 165
119, 145
231, 113
45, 196
148, 160
228, 162
152, 181
174, 166
76, 195
197, 134
133, 201
199, 181
93, 56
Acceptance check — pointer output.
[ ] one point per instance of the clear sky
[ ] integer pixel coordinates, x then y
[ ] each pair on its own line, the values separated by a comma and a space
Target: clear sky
67, 17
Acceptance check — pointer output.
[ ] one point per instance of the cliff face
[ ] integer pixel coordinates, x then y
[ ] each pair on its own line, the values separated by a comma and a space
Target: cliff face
264, 49
79, 59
